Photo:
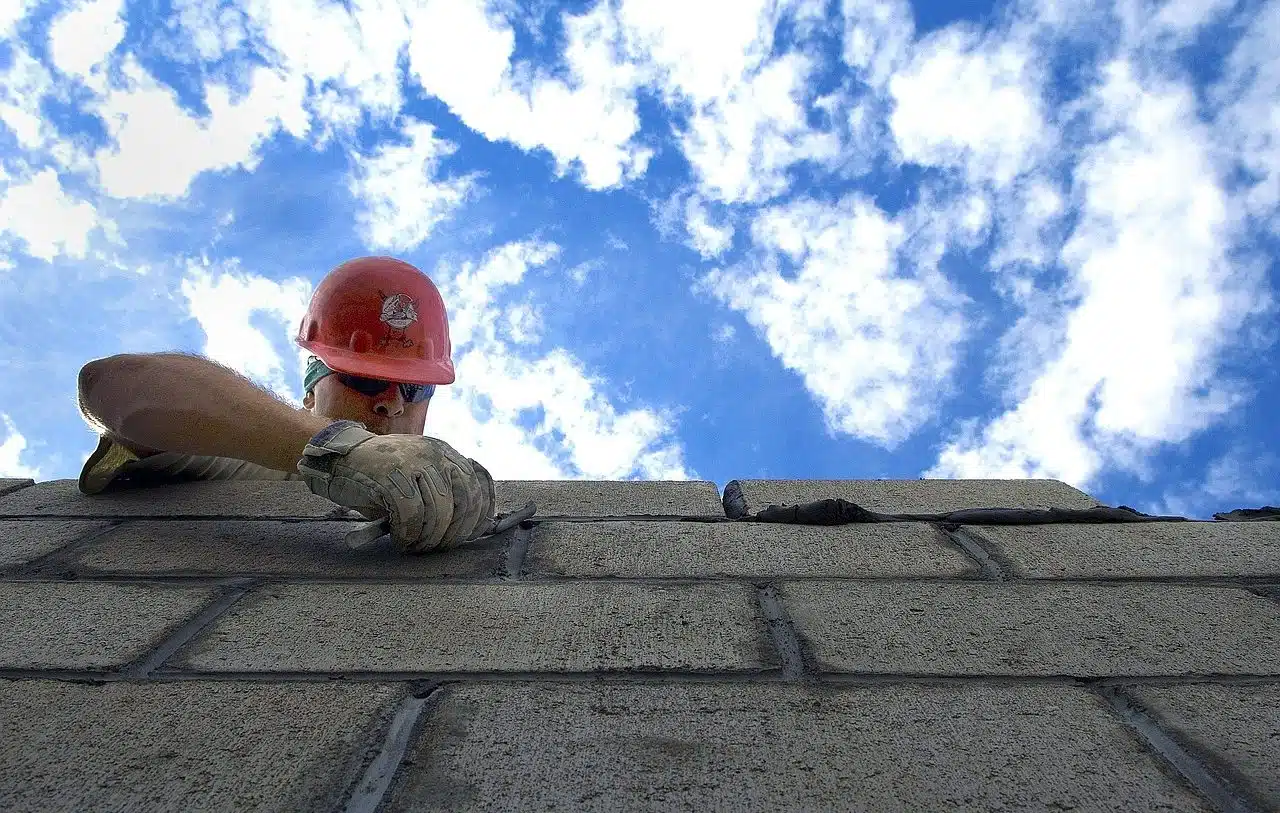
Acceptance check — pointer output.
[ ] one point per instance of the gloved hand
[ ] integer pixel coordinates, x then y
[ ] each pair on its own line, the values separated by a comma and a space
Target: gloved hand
431, 494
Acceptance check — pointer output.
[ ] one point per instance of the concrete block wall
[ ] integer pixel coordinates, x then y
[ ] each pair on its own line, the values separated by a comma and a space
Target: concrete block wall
216, 646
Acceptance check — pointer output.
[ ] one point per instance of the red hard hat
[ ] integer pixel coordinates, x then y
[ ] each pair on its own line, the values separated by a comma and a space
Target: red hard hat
379, 317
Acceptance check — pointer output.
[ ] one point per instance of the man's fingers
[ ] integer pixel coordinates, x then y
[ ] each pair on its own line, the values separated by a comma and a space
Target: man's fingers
471, 509
406, 511
437, 500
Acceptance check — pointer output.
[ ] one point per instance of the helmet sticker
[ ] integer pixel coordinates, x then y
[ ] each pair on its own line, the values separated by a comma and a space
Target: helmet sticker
399, 311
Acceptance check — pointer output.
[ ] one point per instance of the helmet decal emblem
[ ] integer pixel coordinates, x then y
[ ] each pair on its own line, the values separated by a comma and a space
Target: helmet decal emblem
399, 311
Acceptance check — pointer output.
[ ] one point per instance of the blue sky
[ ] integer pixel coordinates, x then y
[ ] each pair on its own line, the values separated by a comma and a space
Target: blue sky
712, 240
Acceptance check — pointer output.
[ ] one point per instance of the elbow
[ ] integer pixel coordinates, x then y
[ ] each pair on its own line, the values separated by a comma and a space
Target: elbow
94, 392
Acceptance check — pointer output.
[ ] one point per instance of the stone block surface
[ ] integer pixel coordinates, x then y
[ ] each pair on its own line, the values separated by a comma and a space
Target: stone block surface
1239, 724
11, 484
742, 497
1080, 629
513, 627
607, 498
21, 541
688, 746
1140, 549
185, 746
740, 549
228, 498
288, 549
586, 498
90, 625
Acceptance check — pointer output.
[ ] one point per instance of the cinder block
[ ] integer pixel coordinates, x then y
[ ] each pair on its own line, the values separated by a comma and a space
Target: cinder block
89, 625
1140, 549
610, 498
743, 497
11, 484
1239, 724
226, 498
1042, 628
289, 549
24, 540
689, 746
249, 498
739, 549
186, 745
513, 627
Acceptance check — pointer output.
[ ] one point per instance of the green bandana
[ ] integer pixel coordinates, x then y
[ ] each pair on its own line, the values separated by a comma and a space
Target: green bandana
316, 370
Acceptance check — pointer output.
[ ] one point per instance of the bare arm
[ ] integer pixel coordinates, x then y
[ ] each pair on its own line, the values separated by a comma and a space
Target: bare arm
188, 404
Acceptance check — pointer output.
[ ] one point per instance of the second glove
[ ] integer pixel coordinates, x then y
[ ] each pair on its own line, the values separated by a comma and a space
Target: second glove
432, 495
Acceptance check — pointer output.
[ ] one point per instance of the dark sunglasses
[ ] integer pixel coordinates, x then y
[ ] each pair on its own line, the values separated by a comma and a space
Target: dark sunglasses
412, 393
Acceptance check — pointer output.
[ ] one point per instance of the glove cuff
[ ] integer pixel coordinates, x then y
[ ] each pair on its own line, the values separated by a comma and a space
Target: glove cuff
337, 438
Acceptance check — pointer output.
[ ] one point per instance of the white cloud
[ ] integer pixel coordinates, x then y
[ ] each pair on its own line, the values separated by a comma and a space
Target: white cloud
402, 201
159, 148
1250, 120
742, 146
524, 324
224, 300
11, 451
866, 319
48, 221
747, 122
584, 269
581, 434
877, 37
1156, 297
349, 51
964, 103
82, 37
22, 86
686, 217
707, 238
700, 49
461, 53
13, 12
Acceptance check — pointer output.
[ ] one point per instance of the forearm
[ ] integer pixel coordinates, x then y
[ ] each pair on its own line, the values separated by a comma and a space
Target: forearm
190, 405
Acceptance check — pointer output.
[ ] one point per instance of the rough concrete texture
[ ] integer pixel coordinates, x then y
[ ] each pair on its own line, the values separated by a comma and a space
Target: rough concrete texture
1035, 629
1140, 549
88, 625
1238, 724
22, 541
708, 550
777, 747
287, 549
69, 747
511, 627
11, 484
610, 498
219, 499
743, 497
584, 498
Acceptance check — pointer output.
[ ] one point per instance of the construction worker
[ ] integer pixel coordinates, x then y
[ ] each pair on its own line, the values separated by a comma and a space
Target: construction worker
379, 337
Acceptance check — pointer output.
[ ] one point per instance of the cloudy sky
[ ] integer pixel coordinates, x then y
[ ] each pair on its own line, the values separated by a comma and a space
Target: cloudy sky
707, 239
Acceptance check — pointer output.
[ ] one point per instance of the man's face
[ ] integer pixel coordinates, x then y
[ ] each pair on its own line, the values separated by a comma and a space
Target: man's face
386, 413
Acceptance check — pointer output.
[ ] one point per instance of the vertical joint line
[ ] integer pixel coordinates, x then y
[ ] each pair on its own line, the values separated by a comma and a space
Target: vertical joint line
374, 785
785, 640
517, 550
1216, 790
993, 566
61, 558
237, 589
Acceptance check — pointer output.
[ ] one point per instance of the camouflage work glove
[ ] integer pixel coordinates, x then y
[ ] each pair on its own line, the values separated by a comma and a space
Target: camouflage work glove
430, 494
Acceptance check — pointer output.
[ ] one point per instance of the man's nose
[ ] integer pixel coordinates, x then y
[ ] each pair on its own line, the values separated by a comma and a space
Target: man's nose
390, 403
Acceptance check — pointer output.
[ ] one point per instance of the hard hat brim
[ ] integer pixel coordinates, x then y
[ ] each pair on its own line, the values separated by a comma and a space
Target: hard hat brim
368, 365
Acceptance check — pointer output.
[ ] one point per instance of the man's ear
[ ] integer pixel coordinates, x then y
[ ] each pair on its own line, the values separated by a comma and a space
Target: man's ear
309, 400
